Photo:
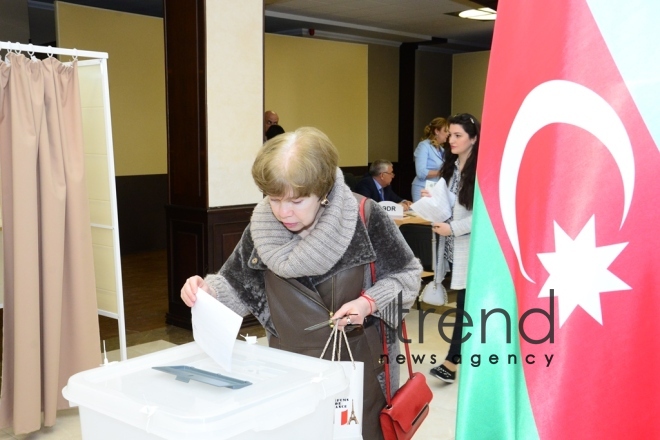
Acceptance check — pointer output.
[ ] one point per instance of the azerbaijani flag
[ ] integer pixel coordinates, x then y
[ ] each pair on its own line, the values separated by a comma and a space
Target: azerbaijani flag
567, 202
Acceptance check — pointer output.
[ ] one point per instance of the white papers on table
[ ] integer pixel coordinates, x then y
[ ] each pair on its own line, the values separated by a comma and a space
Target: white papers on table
215, 327
438, 207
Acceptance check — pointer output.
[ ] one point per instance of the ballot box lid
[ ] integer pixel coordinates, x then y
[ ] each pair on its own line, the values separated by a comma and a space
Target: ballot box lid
284, 387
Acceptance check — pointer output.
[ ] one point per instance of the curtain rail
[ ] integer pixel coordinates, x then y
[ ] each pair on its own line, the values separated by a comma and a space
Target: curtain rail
51, 50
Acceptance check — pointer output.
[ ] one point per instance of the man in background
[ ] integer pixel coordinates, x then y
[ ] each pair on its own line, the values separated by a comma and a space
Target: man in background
376, 184
274, 130
270, 118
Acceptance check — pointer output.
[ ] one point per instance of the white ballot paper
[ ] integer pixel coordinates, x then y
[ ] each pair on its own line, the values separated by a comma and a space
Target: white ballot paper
215, 327
438, 207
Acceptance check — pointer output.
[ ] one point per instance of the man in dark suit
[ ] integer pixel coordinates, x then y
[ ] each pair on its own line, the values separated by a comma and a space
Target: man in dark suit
376, 184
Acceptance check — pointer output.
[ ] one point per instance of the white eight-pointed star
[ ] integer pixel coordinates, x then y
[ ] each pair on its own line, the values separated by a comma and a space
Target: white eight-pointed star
579, 271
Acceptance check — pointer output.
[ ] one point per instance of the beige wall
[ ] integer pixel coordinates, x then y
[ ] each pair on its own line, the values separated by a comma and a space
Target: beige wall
348, 90
135, 46
322, 84
234, 99
383, 103
469, 82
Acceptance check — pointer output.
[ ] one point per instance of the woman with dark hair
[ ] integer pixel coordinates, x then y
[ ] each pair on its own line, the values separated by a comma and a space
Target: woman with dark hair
305, 257
459, 170
429, 156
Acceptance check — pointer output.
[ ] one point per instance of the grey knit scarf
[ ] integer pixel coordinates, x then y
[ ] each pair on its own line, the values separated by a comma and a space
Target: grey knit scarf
289, 255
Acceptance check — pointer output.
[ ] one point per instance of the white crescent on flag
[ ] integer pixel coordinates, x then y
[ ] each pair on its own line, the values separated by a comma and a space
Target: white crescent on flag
566, 102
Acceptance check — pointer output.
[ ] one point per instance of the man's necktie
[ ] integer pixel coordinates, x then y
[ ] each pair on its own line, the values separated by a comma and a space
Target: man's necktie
382, 197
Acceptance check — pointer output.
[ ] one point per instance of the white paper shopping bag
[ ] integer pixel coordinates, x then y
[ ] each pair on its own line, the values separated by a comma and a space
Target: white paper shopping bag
348, 410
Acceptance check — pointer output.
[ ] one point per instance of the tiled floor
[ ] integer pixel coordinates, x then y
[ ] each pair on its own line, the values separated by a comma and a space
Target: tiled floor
439, 425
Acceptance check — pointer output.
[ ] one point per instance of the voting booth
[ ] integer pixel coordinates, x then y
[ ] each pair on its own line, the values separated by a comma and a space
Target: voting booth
277, 395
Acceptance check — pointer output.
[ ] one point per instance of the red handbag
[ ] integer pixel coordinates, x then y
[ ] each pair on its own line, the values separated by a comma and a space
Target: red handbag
403, 414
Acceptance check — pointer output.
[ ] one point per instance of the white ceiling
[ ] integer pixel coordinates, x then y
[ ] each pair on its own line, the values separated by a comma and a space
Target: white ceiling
393, 20
382, 21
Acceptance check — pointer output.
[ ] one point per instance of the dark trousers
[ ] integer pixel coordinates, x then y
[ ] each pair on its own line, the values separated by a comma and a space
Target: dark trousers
454, 354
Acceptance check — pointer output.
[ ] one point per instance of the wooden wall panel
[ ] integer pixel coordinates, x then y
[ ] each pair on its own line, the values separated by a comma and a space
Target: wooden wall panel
141, 204
185, 257
225, 227
225, 240
199, 242
185, 61
406, 167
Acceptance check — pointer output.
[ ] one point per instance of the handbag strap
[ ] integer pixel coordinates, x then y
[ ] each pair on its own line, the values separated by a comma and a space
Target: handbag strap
388, 386
365, 220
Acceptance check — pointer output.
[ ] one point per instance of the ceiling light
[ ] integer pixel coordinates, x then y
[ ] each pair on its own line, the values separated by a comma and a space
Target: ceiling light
479, 14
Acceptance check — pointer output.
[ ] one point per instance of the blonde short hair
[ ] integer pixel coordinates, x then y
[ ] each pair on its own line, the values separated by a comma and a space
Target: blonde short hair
300, 163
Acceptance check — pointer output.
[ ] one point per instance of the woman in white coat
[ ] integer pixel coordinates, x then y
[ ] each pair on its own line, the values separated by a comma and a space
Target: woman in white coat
459, 170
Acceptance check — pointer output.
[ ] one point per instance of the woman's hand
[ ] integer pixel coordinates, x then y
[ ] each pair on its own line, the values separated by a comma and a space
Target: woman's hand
426, 193
442, 229
189, 290
353, 312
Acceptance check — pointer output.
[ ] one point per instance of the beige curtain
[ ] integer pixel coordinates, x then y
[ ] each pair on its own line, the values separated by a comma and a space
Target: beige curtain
50, 315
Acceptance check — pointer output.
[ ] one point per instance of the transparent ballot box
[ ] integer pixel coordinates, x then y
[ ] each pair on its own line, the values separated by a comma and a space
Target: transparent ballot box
280, 395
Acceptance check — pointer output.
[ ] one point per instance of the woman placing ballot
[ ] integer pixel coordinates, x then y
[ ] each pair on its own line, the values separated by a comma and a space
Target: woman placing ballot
459, 169
305, 258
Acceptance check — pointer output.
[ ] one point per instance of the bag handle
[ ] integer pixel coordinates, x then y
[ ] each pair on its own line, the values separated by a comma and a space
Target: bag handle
337, 353
388, 387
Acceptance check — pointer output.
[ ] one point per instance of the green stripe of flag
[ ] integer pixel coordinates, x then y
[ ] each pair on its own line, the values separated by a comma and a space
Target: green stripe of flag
493, 402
